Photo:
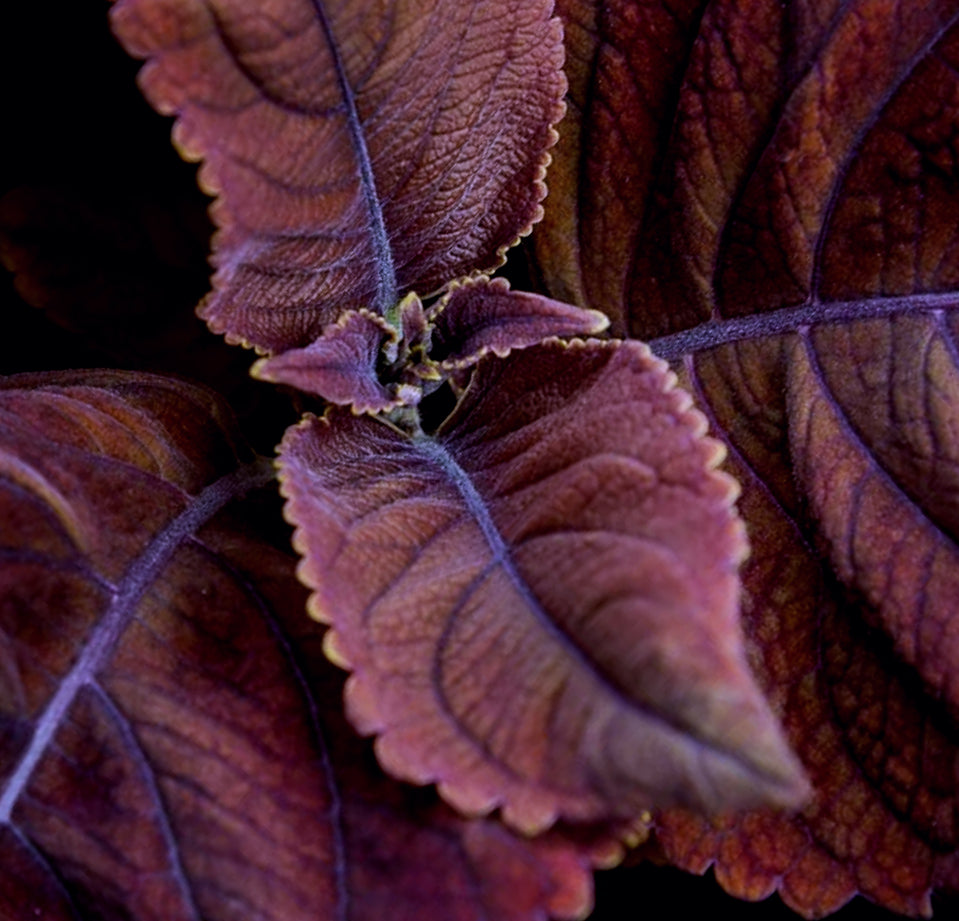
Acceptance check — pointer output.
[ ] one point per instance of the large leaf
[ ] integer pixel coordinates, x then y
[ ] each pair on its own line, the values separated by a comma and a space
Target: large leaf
171, 745
359, 150
768, 192
540, 604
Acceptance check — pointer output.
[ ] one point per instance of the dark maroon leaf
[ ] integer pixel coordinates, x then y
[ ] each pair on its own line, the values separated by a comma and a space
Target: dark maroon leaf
170, 745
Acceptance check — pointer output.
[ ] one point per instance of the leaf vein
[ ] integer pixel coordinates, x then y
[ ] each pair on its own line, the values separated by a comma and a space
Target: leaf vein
137, 579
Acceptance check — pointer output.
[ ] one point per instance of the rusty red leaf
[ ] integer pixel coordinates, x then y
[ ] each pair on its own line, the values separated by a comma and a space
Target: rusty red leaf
767, 192
539, 605
358, 150
169, 748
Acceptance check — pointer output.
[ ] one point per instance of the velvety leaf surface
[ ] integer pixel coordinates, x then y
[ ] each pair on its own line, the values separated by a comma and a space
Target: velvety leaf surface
171, 746
540, 605
340, 366
483, 316
358, 150
784, 230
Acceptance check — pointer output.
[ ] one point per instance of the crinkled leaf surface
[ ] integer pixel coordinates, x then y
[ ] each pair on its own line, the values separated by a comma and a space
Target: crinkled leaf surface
540, 605
768, 192
359, 150
171, 743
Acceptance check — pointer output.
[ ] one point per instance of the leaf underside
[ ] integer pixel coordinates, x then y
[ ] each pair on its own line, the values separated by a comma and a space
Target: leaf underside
768, 194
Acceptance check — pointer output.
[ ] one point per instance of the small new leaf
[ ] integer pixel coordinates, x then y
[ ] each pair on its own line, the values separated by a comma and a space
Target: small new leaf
343, 366
483, 316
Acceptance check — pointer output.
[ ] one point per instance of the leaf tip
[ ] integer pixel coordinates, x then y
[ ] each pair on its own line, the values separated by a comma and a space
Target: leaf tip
600, 322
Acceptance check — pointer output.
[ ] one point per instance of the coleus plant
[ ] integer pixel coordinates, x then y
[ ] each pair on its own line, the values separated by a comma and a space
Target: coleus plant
509, 516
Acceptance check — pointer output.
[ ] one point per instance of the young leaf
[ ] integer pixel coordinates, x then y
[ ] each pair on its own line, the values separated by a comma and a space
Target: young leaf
358, 150
341, 366
353, 362
172, 747
777, 206
483, 316
539, 605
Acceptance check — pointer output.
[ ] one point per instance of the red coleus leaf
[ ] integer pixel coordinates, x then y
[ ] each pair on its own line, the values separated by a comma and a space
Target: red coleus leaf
768, 192
348, 363
484, 316
358, 150
539, 605
169, 749
341, 366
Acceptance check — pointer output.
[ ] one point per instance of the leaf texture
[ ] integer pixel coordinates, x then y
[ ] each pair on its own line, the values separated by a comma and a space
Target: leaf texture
539, 606
784, 233
484, 316
341, 366
359, 150
168, 749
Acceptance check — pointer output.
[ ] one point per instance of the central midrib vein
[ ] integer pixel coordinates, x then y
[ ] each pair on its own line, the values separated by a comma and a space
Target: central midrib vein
501, 556
386, 284
137, 579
